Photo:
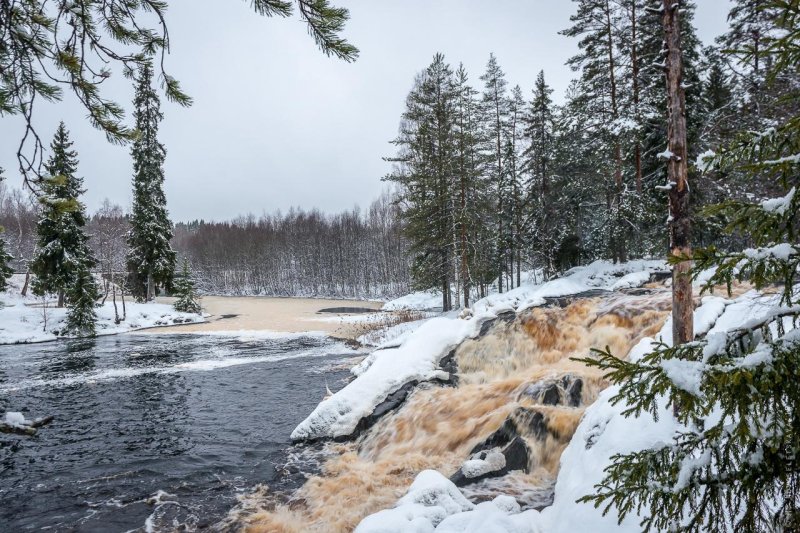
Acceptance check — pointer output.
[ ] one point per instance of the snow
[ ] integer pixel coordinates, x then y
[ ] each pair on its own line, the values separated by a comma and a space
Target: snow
493, 462
781, 252
430, 499
16, 420
416, 301
22, 319
779, 205
705, 160
632, 280
434, 503
417, 356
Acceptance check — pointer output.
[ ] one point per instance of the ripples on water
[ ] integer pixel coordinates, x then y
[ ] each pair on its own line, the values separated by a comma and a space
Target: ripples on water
154, 431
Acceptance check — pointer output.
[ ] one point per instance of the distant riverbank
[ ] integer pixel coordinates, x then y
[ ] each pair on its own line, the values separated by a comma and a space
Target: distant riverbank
290, 315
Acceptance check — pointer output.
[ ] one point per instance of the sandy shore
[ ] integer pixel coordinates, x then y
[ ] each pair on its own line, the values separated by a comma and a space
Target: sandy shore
292, 315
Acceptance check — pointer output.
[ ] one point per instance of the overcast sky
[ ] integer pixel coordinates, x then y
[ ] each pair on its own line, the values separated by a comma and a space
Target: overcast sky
275, 123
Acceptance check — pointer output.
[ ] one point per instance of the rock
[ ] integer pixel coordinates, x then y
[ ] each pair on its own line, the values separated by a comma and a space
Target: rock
564, 301
533, 422
565, 391
575, 393
392, 402
505, 317
494, 462
449, 364
660, 276
517, 455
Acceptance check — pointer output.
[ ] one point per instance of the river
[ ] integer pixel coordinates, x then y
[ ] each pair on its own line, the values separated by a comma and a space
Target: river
156, 431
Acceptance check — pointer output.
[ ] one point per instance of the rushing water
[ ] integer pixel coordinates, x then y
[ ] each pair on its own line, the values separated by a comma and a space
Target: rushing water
154, 432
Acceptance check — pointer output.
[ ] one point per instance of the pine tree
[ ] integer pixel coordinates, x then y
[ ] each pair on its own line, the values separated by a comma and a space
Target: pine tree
469, 195
63, 249
495, 123
151, 259
425, 172
185, 292
734, 466
83, 295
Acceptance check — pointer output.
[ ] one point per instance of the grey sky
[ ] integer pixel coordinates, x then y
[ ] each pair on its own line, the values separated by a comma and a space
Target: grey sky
277, 124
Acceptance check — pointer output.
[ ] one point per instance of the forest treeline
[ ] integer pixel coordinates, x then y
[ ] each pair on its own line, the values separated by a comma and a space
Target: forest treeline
359, 253
353, 254
494, 181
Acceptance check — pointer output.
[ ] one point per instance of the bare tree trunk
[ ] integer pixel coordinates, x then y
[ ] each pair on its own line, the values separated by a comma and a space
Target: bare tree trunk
27, 282
635, 74
151, 290
61, 298
114, 299
677, 176
617, 247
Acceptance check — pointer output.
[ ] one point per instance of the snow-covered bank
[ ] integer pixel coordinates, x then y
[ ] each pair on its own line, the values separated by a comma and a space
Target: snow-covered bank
30, 319
419, 354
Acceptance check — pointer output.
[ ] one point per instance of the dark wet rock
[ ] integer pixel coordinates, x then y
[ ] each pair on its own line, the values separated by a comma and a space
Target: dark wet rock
352, 310
575, 393
660, 276
531, 422
566, 390
392, 402
449, 364
564, 301
516, 455
506, 317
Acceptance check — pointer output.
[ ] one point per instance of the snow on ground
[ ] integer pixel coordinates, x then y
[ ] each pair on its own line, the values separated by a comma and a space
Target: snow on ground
416, 301
432, 299
32, 319
417, 356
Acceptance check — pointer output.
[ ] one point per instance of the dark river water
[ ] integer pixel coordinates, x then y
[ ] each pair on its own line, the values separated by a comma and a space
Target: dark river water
155, 432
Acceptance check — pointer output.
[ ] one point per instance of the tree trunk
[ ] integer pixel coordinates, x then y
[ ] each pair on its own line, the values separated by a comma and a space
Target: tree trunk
616, 246
61, 298
151, 290
635, 74
677, 176
27, 282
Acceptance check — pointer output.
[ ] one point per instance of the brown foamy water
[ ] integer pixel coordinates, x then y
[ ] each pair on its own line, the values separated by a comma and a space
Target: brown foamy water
438, 427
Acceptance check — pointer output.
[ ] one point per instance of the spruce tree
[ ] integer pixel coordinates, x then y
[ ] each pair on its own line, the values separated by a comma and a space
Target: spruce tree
539, 156
83, 295
425, 173
185, 292
62, 245
495, 108
151, 259
734, 465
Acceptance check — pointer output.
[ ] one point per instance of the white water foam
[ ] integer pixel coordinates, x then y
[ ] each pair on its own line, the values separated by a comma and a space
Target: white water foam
202, 365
